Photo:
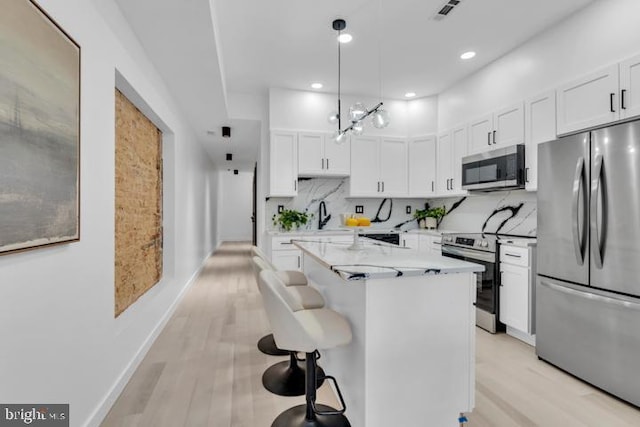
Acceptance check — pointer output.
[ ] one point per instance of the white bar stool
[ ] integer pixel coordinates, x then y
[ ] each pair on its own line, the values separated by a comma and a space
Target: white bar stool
305, 330
288, 378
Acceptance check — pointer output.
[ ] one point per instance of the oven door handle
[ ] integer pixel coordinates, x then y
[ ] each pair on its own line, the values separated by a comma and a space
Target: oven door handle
470, 254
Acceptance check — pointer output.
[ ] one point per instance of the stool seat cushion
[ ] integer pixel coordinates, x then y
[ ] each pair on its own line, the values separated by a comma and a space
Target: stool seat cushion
326, 328
298, 329
292, 278
307, 296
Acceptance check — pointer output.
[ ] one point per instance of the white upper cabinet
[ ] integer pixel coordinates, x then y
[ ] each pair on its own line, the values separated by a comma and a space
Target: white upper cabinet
630, 88
283, 170
422, 166
452, 146
320, 155
337, 157
540, 126
460, 147
508, 125
365, 164
378, 167
481, 133
501, 128
444, 163
393, 167
310, 154
589, 101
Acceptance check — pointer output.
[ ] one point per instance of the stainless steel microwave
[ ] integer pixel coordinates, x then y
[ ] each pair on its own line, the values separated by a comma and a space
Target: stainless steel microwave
500, 169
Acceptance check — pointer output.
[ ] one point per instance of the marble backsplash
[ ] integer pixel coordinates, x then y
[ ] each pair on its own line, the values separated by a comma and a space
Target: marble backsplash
507, 212
504, 212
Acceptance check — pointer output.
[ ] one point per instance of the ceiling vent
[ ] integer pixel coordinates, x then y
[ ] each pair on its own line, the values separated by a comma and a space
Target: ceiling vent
446, 9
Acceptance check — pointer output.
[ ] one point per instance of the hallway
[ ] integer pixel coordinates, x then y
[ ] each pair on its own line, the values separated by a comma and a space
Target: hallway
205, 369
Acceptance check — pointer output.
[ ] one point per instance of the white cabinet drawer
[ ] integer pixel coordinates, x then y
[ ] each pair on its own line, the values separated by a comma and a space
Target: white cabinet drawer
282, 242
514, 255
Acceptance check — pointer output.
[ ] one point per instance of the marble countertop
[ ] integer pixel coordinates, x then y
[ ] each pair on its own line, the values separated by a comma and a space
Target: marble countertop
380, 260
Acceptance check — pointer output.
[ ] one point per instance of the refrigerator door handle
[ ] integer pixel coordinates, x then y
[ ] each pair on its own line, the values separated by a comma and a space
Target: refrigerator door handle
626, 303
595, 189
577, 180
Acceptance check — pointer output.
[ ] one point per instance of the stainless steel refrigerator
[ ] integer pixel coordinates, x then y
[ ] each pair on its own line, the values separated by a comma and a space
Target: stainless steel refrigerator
588, 283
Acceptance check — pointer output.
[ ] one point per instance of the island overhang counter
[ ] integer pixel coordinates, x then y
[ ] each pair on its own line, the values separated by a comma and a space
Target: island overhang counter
412, 358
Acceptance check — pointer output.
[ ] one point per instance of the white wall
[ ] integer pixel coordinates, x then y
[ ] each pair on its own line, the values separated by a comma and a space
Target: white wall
603, 33
236, 192
60, 341
302, 110
256, 108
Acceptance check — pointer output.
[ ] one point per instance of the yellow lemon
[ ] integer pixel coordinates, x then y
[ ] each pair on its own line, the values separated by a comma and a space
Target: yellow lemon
352, 222
364, 222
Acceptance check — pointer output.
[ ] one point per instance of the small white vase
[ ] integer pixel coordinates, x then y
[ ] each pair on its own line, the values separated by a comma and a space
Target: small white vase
431, 223
422, 223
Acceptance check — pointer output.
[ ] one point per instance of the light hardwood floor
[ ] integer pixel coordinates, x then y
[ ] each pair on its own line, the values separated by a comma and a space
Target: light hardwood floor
205, 370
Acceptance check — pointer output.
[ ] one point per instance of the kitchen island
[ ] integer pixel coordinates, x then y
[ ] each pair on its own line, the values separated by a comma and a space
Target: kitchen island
411, 361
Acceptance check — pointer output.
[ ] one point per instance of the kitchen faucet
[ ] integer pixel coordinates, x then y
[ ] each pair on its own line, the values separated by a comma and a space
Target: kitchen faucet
322, 211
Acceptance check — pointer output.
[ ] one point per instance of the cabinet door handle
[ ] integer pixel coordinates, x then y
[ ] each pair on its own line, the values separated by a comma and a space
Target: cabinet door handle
623, 92
327, 164
452, 183
611, 95
494, 136
513, 255
432, 186
489, 138
323, 164
501, 278
526, 174
383, 186
298, 261
378, 186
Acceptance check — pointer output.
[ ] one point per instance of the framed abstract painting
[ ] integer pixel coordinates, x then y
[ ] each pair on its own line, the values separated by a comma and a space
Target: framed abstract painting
39, 130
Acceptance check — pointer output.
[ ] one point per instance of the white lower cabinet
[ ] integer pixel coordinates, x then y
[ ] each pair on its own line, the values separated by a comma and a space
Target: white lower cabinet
410, 241
517, 291
290, 259
422, 242
514, 296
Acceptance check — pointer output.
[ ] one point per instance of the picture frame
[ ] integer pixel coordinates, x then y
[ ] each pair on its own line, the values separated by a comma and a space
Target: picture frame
39, 130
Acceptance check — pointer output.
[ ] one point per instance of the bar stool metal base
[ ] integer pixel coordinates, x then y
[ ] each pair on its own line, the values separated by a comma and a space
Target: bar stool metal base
297, 417
267, 345
288, 378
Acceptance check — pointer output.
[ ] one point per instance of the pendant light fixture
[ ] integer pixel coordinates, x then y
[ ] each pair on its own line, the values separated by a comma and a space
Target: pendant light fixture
358, 111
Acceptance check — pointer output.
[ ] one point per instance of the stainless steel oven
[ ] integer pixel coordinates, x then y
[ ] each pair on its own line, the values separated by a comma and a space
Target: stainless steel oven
481, 250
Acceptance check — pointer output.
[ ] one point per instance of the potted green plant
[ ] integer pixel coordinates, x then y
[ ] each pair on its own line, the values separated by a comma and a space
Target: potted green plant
434, 216
291, 219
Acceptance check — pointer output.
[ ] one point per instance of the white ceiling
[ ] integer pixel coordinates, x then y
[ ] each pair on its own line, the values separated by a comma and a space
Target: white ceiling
207, 50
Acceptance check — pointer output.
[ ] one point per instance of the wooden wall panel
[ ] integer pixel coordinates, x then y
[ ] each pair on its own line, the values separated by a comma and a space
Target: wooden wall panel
138, 222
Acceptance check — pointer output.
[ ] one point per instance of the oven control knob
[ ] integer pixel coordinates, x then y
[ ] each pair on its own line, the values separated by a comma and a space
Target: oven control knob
448, 239
484, 244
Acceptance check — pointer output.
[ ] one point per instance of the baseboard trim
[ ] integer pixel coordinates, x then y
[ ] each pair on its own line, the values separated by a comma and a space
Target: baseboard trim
99, 414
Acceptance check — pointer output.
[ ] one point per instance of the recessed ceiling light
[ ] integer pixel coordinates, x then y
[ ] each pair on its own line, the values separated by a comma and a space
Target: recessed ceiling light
345, 38
468, 55
316, 85
410, 94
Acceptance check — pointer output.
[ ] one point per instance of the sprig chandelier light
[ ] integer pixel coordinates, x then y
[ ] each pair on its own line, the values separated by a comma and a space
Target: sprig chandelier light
358, 111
